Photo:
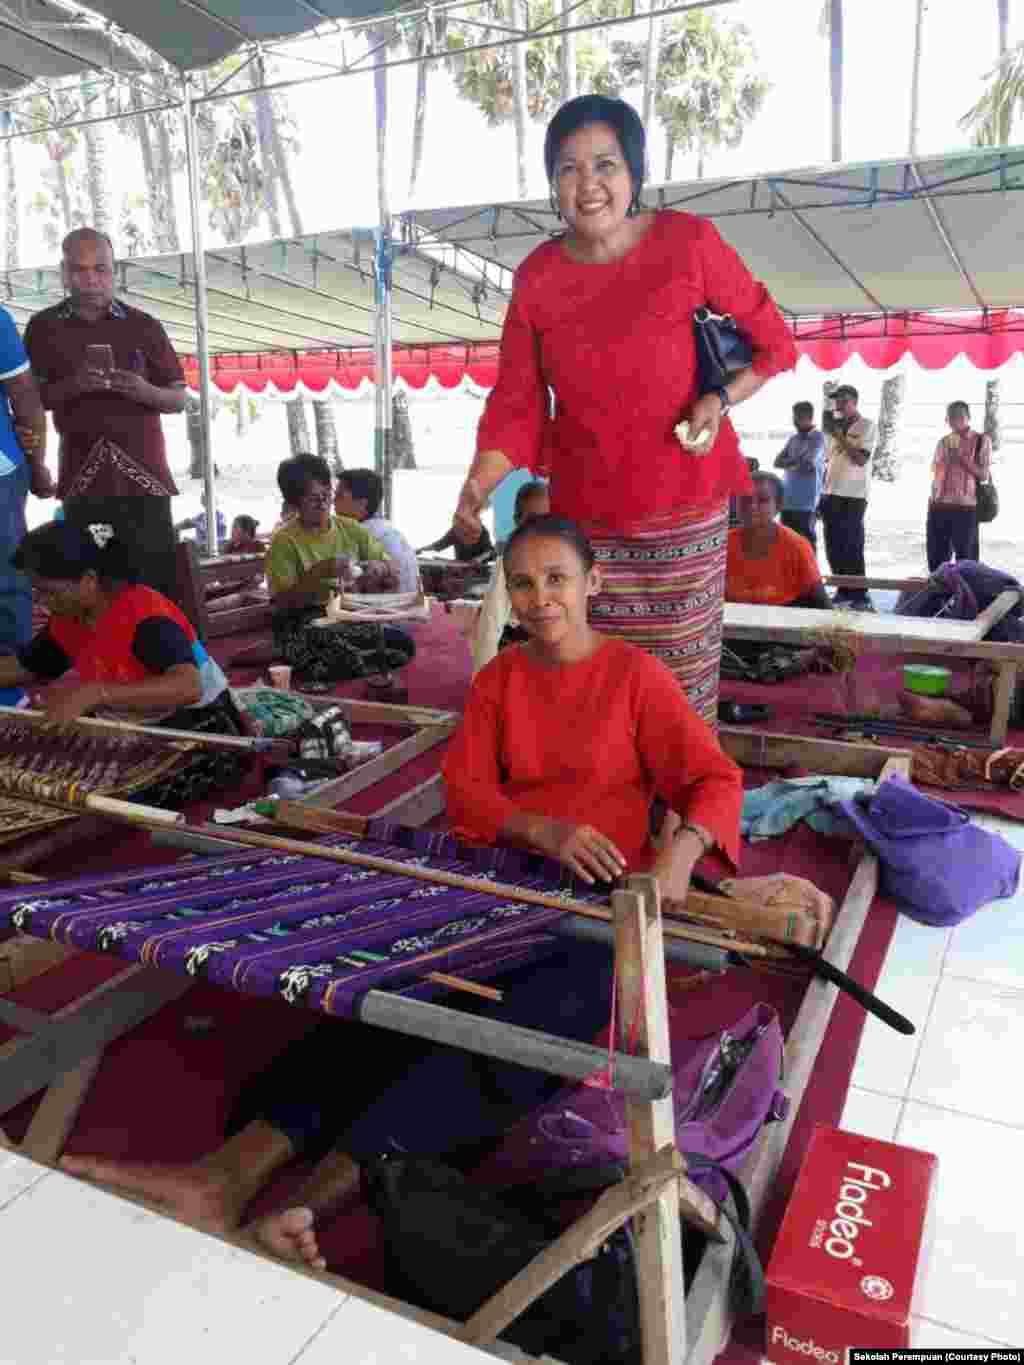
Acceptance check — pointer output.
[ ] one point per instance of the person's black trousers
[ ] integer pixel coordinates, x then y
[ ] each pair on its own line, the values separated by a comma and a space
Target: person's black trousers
144, 524
843, 521
950, 530
803, 523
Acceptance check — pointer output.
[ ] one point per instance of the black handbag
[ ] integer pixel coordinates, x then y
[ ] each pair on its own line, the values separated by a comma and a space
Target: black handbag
987, 501
722, 349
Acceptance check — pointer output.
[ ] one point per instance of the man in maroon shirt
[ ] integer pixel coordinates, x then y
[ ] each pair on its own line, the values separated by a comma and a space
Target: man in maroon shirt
107, 372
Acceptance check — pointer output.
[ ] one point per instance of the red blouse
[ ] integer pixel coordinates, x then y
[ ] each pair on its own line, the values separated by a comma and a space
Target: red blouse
615, 344
591, 742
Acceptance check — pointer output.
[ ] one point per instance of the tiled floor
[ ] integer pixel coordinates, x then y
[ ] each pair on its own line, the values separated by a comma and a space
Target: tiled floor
955, 1089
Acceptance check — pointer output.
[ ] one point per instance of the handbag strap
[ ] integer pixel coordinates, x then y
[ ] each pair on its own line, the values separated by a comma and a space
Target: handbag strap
746, 1273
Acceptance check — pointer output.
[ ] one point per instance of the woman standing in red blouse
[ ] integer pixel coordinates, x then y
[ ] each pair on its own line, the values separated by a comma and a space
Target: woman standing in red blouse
602, 317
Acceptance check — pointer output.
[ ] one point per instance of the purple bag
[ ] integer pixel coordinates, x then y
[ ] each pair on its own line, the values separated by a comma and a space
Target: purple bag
934, 861
725, 1087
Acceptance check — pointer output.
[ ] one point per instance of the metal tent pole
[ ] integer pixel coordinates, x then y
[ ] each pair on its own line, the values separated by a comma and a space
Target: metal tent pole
202, 319
382, 318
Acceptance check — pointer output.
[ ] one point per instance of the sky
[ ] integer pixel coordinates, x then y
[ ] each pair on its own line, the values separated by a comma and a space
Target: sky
466, 162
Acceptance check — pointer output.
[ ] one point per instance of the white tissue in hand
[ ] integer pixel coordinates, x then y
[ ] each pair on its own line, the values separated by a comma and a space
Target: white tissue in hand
699, 445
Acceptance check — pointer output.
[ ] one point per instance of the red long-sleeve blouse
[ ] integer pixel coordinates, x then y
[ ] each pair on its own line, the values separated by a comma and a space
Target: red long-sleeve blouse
615, 344
593, 743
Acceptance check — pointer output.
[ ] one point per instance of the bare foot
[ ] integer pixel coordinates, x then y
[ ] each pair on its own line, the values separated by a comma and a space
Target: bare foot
290, 1235
194, 1194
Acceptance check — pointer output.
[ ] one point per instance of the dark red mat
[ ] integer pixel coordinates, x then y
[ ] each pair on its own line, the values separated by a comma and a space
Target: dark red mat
878, 680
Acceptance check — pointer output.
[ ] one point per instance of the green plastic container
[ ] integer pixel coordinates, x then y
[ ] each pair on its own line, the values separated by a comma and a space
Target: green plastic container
927, 679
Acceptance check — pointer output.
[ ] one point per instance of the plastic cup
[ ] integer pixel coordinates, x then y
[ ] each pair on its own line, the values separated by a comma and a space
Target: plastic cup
281, 676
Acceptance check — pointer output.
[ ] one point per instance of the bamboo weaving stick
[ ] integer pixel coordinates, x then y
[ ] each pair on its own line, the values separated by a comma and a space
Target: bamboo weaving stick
127, 727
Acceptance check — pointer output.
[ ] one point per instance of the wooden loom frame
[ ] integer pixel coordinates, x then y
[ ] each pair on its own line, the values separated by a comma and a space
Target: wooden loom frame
62, 1052
804, 626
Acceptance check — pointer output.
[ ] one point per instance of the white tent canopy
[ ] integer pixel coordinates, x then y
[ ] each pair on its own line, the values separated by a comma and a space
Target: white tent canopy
873, 238
303, 294
40, 39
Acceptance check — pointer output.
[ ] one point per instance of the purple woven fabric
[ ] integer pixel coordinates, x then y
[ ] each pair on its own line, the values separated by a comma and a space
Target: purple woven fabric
313, 932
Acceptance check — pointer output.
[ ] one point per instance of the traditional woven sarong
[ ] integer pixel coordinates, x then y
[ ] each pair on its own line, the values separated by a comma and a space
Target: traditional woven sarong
664, 586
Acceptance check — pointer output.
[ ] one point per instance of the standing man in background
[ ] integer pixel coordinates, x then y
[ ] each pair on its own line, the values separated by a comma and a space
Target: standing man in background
847, 483
803, 459
22, 469
108, 372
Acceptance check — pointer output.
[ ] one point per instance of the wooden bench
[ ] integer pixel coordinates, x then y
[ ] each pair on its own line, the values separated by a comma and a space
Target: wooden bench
918, 636
195, 576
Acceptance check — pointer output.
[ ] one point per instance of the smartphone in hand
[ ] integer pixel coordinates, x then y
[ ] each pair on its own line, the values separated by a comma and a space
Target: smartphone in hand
99, 359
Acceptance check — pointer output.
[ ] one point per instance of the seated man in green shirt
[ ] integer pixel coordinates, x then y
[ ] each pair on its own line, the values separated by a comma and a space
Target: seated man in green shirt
306, 556
309, 552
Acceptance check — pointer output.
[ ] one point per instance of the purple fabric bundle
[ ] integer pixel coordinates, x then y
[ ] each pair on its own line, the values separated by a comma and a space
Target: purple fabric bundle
313, 932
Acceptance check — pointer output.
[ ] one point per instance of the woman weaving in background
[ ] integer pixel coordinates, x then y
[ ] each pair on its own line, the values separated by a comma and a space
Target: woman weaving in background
134, 652
565, 741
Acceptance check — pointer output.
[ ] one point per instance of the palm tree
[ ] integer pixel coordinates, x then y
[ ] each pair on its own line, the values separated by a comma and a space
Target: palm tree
517, 19
708, 86
915, 80
991, 119
96, 165
567, 54
885, 461
298, 427
404, 457
12, 226
326, 433
831, 28
652, 52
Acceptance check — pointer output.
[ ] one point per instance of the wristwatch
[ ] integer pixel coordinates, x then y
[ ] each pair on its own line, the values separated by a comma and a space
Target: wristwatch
724, 399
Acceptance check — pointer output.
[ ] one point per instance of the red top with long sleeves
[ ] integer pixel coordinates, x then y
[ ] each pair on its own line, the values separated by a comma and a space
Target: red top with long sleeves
615, 343
592, 743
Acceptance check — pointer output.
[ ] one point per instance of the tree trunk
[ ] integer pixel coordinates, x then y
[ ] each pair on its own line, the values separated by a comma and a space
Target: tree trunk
148, 161
194, 426
268, 157
169, 216
60, 165
885, 464
567, 52
993, 426
835, 75
96, 171
12, 234
403, 455
1005, 130
326, 433
243, 414
700, 158
651, 70
419, 118
517, 57
298, 427
915, 80
670, 156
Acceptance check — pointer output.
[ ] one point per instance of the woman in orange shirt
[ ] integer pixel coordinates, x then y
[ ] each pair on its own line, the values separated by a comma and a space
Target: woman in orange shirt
768, 563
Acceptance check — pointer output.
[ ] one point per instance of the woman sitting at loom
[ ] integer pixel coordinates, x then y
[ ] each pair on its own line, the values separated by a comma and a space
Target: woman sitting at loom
565, 741
134, 651
767, 563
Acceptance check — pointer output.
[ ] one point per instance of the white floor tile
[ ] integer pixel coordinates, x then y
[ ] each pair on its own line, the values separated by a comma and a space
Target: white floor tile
122, 1284
971, 1052
924, 1333
871, 1115
885, 1058
363, 1334
17, 1175
990, 945
916, 950
974, 1275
